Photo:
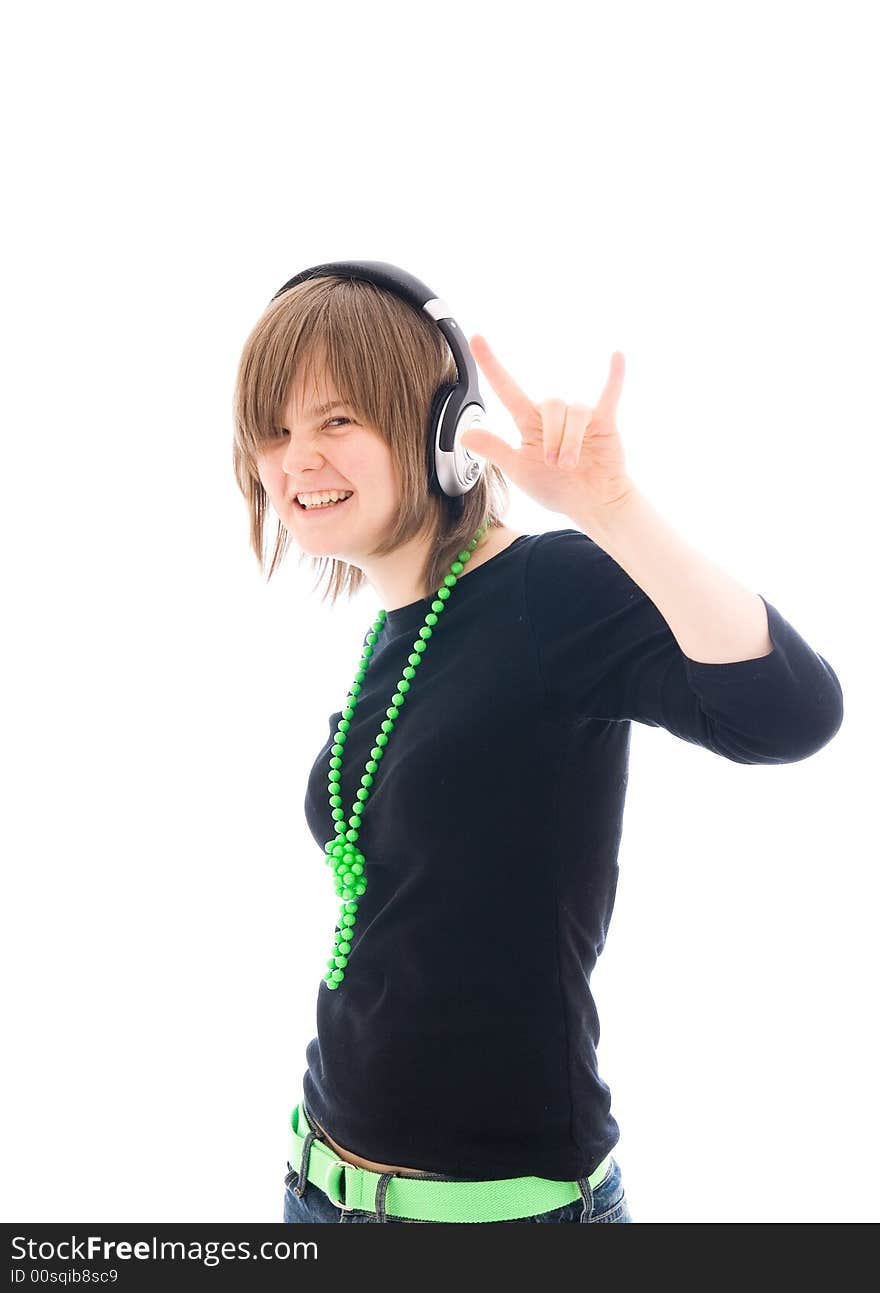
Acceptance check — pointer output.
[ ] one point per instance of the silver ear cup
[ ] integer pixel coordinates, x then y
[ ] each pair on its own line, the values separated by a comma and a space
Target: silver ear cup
458, 470
470, 465
472, 415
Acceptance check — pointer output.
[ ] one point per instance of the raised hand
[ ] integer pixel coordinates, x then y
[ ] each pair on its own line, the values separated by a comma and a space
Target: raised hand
571, 458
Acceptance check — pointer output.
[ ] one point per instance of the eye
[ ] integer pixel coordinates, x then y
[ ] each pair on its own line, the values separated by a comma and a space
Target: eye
277, 432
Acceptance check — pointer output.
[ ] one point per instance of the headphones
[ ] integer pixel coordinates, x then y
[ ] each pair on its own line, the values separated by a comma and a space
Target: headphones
456, 406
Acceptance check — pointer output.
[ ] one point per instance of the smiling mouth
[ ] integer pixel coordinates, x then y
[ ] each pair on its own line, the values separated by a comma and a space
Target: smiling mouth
324, 507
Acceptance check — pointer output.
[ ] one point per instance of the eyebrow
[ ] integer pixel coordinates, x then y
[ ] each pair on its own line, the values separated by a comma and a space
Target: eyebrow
325, 408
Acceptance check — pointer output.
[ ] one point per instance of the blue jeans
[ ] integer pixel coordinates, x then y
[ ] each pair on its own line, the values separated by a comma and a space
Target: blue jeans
607, 1203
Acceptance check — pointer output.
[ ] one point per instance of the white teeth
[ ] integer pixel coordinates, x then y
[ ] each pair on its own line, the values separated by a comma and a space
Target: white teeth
329, 496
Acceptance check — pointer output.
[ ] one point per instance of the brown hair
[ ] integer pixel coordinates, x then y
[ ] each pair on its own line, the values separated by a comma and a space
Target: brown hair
386, 360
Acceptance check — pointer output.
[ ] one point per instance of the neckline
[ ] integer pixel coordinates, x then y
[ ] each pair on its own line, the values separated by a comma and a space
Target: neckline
405, 617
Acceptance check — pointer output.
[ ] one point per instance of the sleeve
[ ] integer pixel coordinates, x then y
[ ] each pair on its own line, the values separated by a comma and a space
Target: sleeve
605, 651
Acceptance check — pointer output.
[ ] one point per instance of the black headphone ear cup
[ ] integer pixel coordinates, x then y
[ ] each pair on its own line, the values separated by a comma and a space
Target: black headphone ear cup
441, 395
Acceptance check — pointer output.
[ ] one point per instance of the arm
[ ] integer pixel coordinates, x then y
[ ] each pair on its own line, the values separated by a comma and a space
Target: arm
605, 651
714, 619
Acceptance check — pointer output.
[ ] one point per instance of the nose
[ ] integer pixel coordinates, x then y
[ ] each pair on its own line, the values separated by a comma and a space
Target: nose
299, 452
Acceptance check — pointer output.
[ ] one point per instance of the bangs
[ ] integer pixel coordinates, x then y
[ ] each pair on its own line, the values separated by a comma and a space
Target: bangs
321, 340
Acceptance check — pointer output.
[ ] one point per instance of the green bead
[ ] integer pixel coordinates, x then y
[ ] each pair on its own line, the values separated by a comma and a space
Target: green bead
338, 975
341, 961
349, 918
331, 983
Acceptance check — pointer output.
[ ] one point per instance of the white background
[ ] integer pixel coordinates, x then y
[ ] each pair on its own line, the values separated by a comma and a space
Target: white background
693, 184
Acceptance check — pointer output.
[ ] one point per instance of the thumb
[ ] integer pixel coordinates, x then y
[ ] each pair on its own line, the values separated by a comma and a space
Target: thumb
487, 445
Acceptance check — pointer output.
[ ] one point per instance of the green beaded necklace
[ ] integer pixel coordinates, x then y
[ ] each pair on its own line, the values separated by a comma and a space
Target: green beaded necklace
342, 854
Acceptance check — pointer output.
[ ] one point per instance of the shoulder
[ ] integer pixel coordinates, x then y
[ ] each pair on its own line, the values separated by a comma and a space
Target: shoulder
562, 552
569, 575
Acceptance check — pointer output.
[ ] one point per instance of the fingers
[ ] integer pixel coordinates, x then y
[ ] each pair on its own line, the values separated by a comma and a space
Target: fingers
553, 423
611, 394
511, 395
561, 426
565, 426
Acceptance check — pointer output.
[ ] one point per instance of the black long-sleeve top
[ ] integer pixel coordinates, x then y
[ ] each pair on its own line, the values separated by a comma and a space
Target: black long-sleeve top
463, 1038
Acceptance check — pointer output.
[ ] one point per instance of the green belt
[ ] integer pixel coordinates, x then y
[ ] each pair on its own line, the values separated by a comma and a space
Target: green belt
419, 1199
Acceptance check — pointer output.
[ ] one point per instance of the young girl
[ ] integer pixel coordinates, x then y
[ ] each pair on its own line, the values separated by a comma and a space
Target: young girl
468, 801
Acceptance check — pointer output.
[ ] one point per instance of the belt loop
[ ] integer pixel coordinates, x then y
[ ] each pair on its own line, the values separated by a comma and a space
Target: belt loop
586, 1191
303, 1179
381, 1191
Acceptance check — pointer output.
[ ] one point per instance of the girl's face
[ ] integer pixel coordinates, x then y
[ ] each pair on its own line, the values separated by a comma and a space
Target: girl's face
319, 448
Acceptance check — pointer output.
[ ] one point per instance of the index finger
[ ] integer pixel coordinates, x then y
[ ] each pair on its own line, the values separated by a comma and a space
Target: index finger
510, 394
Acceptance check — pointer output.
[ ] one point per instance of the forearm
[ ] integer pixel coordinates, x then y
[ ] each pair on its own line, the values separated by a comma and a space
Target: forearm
713, 617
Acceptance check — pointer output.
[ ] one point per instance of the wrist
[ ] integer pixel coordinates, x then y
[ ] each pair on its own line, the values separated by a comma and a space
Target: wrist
604, 522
